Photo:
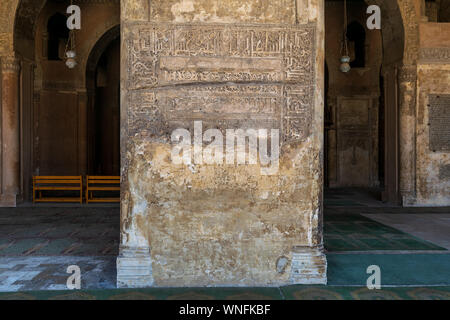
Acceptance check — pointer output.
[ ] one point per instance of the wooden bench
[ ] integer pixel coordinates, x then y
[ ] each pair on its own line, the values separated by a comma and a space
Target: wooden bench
102, 183
57, 183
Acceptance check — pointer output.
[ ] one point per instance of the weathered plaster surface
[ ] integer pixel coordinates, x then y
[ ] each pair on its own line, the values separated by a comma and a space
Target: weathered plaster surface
222, 224
230, 11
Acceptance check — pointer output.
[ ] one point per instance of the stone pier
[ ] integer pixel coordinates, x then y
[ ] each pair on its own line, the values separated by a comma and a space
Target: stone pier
10, 148
228, 65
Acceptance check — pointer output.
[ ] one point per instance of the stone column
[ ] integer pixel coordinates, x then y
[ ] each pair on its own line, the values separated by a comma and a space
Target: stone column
134, 264
10, 180
407, 79
309, 263
82, 130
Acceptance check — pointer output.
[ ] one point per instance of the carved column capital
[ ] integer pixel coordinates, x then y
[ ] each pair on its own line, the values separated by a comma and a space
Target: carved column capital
434, 55
10, 148
407, 73
10, 64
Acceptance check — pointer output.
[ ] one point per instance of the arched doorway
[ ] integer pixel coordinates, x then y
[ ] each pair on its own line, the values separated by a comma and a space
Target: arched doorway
363, 123
103, 87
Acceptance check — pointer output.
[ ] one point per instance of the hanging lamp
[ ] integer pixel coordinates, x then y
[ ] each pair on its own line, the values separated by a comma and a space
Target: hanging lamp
70, 53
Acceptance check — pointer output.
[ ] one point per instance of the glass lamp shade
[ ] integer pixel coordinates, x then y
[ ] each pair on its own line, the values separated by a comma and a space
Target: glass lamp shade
71, 62
345, 64
71, 54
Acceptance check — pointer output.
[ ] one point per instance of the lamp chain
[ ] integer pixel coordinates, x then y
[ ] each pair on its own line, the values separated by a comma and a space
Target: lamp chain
344, 37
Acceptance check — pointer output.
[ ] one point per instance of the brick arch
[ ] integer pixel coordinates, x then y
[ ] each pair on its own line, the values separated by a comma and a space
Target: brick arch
17, 21
18, 24
400, 30
8, 9
108, 32
97, 50
18, 17
27, 13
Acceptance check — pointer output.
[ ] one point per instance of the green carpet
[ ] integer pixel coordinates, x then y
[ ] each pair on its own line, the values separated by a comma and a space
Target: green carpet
362, 293
354, 232
396, 269
94, 232
283, 293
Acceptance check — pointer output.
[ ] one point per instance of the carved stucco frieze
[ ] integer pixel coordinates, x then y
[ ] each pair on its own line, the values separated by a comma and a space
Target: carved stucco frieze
407, 74
10, 64
435, 55
411, 27
227, 76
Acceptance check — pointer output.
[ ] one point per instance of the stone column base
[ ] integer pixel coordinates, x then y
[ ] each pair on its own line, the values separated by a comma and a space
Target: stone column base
309, 266
8, 200
408, 199
134, 268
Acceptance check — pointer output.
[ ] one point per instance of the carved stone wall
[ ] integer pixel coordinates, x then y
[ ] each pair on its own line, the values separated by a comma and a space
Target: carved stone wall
432, 157
275, 63
439, 122
231, 66
433, 136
